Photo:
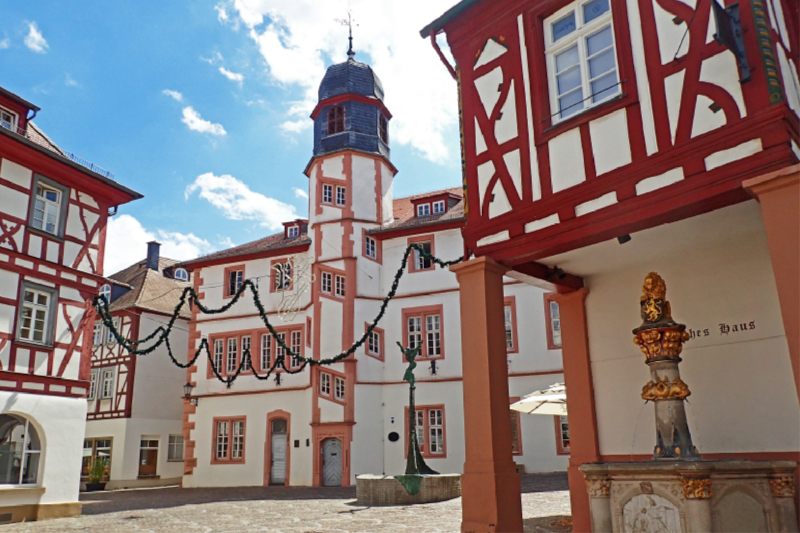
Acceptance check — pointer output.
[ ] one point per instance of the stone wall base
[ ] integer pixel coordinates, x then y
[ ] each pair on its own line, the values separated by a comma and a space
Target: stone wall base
38, 511
386, 490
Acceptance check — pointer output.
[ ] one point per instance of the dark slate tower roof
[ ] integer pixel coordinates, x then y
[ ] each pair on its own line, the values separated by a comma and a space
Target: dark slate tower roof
350, 77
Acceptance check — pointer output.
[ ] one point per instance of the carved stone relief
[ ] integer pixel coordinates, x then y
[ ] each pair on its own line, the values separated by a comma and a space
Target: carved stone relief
650, 513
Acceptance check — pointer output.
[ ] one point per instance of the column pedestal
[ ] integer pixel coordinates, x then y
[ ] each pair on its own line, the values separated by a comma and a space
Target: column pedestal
490, 485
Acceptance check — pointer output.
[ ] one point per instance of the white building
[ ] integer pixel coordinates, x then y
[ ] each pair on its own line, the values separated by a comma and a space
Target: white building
134, 422
327, 424
53, 212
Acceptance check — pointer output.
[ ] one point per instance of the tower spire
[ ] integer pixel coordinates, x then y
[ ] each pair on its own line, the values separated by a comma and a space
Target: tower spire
349, 22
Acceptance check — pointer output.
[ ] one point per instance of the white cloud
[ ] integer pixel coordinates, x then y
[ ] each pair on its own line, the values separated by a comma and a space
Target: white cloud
300, 193
227, 242
5, 43
296, 40
216, 56
34, 40
235, 199
173, 94
222, 13
195, 122
233, 76
70, 82
126, 244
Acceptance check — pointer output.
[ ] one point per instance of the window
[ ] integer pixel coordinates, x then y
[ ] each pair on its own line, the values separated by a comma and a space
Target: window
510, 320
175, 449
335, 119
327, 193
96, 450
8, 119
423, 210
339, 388
107, 385
421, 262
245, 354
35, 320
553, 318
93, 385
97, 335
371, 249
105, 292
340, 281
516, 441
110, 338
509, 328
46, 209
582, 65
383, 129
279, 350
341, 196
219, 353
562, 435
326, 280
430, 428
292, 232
235, 278
374, 343
325, 384
266, 351
296, 346
148, 457
230, 365
181, 274
438, 207
423, 328
229, 440
282, 274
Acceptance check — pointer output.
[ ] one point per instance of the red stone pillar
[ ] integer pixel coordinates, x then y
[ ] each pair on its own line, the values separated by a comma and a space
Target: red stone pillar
779, 195
490, 485
580, 402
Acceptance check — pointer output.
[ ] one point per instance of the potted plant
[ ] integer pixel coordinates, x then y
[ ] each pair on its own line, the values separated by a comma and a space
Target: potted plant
96, 474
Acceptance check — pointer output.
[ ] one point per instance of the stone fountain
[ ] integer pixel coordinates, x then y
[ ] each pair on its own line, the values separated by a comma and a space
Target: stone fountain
678, 491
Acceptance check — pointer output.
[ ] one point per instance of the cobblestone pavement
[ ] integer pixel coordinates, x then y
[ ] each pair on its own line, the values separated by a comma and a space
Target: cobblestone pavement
545, 505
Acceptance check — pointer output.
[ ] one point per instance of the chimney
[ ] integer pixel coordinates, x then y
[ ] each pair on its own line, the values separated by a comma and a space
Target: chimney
153, 248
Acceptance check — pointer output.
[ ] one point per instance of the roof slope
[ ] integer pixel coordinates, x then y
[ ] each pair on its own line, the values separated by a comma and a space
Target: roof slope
266, 244
404, 211
151, 290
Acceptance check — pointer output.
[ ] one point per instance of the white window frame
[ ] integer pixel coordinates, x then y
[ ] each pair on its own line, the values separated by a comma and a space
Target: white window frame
374, 343
50, 207
266, 351
219, 354
438, 207
339, 388
579, 35
231, 362
433, 335
107, 392
92, 385
341, 196
27, 450
237, 440
371, 248
296, 344
181, 274
49, 313
423, 210
9, 124
110, 339
324, 384
508, 316
327, 193
97, 334
105, 290
292, 232
340, 286
246, 355
326, 283
175, 447
555, 322
436, 431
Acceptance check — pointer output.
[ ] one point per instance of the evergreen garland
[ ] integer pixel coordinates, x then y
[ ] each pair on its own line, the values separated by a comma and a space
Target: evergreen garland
132, 346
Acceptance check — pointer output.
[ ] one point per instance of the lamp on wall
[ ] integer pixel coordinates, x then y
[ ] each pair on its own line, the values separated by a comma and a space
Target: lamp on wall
187, 393
278, 380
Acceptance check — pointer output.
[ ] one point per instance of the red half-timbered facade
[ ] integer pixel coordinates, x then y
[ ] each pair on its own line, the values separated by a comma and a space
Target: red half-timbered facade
53, 212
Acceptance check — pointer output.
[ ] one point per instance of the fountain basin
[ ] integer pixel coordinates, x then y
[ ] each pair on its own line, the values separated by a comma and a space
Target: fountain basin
375, 490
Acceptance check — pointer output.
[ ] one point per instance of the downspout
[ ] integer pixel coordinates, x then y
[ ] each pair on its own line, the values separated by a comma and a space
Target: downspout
447, 64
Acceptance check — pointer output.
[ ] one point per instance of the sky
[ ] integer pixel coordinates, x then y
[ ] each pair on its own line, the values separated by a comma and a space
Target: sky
203, 106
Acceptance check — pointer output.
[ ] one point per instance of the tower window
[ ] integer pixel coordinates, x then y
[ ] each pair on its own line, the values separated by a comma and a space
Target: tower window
341, 196
383, 129
335, 119
327, 193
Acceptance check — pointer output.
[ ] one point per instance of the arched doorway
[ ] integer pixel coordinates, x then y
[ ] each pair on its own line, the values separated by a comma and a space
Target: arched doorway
332, 462
279, 435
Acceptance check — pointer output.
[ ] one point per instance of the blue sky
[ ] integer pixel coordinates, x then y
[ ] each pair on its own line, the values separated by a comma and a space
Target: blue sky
220, 156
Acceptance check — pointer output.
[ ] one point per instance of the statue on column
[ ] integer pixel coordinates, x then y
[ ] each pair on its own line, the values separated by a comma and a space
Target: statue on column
661, 340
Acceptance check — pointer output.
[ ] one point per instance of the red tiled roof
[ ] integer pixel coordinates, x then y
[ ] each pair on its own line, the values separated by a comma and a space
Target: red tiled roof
151, 289
270, 243
404, 211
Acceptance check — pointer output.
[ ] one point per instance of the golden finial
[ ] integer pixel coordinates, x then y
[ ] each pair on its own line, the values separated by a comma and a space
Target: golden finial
655, 307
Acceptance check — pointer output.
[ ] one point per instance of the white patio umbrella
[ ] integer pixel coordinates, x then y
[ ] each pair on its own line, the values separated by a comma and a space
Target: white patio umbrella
550, 401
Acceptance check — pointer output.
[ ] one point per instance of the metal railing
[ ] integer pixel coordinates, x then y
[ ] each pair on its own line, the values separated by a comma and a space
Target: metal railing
34, 136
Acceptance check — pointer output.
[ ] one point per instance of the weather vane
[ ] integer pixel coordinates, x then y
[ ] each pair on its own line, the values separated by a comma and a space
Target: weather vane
349, 23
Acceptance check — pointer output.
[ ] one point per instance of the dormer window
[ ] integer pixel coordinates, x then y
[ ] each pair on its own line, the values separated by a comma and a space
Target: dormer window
181, 274
8, 119
105, 291
335, 119
438, 207
292, 232
423, 210
383, 129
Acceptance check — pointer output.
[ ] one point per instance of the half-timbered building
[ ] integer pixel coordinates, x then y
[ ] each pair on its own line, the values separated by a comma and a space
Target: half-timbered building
605, 139
135, 402
53, 212
327, 424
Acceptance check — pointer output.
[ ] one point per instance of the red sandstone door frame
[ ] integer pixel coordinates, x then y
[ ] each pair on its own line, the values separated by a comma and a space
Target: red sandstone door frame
274, 415
338, 430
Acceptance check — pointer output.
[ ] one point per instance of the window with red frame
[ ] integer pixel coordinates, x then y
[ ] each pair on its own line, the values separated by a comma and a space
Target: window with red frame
326, 282
425, 331
282, 274
335, 119
327, 193
422, 262
229, 439
423, 210
246, 354
266, 351
235, 279
324, 384
230, 365
553, 317
562, 435
374, 343
341, 196
339, 388
430, 431
509, 320
219, 354
296, 345
340, 286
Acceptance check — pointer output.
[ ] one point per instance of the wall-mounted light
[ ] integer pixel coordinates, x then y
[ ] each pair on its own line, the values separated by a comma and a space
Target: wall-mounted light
278, 380
187, 393
433, 367
622, 239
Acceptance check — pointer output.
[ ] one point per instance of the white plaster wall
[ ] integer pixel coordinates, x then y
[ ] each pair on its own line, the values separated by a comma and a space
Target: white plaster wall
387, 180
330, 327
331, 241
533, 355
369, 440
255, 408
60, 424
743, 396
16, 173
448, 245
158, 382
363, 195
